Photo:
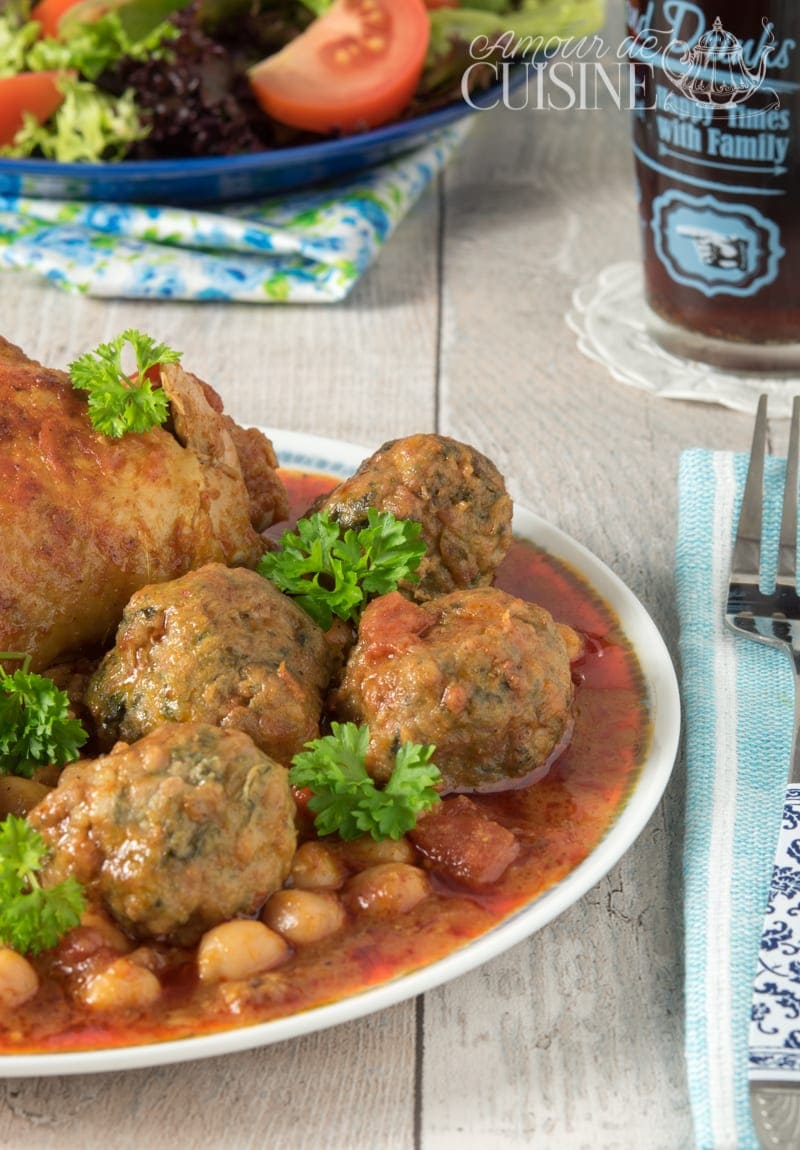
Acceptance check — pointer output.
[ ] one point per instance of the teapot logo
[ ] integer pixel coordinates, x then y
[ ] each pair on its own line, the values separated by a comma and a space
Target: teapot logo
714, 71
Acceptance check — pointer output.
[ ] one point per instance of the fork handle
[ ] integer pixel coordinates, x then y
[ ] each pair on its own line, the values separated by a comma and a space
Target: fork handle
775, 1016
794, 766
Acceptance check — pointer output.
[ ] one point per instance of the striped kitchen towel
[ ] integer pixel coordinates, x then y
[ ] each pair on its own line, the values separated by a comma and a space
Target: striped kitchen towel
738, 701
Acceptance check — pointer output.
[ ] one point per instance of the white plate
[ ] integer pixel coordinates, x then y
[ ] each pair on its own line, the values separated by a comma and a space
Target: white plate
317, 454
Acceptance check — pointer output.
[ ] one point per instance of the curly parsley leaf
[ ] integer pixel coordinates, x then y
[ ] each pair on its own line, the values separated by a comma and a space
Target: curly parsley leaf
345, 798
333, 572
35, 724
32, 917
307, 568
117, 403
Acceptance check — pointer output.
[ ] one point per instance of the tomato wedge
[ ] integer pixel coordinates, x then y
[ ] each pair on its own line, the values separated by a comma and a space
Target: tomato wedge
354, 68
33, 92
48, 13
53, 14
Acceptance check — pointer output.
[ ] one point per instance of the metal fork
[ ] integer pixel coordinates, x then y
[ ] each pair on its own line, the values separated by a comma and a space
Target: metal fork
773, 617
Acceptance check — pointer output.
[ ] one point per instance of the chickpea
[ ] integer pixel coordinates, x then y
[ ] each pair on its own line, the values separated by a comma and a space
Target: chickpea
315, 867
364, 852
122, 985
106, 932
304, 916
239, 949
148, 958
386, 889
18, 980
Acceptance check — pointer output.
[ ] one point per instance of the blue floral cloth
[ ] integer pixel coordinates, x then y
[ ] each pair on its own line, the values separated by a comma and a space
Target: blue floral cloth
306, 247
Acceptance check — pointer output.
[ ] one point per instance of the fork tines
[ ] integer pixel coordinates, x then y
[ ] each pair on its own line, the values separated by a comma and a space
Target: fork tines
744, 596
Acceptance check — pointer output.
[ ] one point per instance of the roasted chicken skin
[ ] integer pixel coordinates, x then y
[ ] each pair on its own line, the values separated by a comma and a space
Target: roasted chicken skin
86, 520
454, 492
479, 673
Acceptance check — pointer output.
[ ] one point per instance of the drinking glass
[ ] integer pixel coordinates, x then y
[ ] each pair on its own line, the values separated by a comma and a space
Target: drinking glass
717, 150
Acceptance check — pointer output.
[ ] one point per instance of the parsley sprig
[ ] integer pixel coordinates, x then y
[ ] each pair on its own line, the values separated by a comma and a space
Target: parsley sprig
35, 724
334, 572
32, 917
345, 798
118, 403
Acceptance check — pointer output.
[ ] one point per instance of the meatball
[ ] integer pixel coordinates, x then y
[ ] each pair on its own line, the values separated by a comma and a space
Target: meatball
456, 494
220, 645
482, 675
174, 834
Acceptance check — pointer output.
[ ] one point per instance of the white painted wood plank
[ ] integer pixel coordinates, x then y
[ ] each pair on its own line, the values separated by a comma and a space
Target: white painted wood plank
351, 1087
575, 1038
363, 370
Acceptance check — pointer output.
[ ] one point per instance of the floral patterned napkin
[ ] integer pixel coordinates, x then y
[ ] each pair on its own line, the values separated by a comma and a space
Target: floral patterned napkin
304, 247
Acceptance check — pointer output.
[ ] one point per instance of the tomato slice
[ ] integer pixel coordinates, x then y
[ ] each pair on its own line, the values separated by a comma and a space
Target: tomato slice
33, 92
354, 68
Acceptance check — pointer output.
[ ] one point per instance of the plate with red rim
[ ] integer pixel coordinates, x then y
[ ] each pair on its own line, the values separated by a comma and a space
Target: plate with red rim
301, 452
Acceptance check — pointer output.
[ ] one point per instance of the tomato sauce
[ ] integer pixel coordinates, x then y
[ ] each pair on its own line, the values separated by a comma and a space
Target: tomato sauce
557, 821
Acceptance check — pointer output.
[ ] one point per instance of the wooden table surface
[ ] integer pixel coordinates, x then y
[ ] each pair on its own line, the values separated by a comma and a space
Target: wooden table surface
572, 1039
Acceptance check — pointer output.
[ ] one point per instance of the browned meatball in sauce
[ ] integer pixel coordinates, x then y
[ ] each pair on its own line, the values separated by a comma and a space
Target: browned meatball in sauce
183, 830
220, 645
481, 674
455, 493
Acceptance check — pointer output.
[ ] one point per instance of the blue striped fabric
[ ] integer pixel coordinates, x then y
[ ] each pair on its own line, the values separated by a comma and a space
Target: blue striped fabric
738, 702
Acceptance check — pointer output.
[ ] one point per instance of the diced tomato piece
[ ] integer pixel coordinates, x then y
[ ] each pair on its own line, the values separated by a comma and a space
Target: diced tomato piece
303, 817
301, 797
34, 92
355, 67
463, 843
390, 625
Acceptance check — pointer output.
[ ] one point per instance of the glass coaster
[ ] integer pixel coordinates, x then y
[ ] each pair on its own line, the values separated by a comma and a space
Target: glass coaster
609, 317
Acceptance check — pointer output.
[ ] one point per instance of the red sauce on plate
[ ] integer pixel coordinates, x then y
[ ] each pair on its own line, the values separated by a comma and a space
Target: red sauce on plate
558, 821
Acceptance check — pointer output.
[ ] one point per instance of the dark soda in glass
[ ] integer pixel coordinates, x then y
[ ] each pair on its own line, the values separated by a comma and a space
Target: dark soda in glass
717, 147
